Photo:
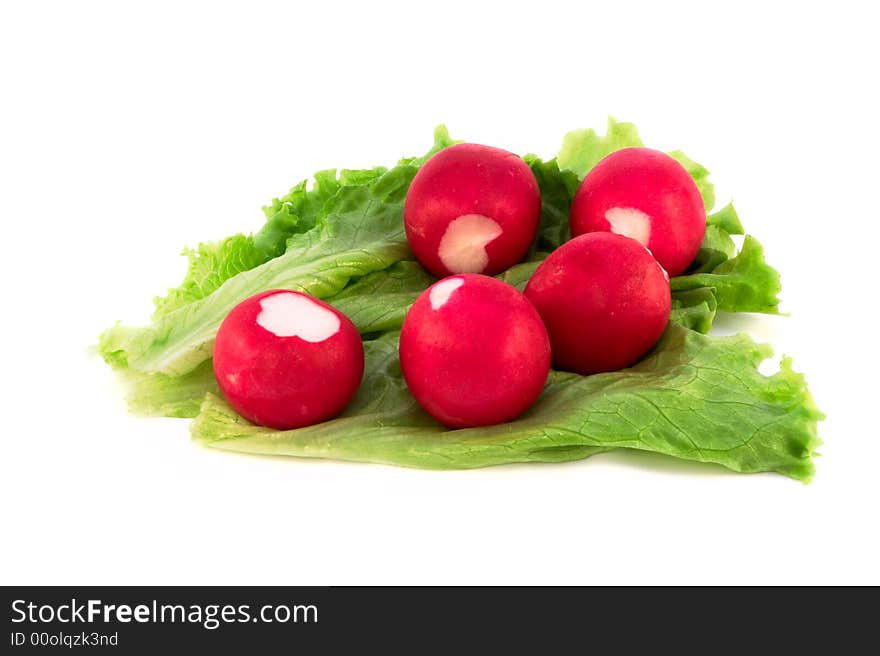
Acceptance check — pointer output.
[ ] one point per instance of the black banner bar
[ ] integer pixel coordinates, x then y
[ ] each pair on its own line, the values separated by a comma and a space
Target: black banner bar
248, 620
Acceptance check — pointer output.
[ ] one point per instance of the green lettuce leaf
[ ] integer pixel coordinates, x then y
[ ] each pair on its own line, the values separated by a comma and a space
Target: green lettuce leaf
210, 265
375, 303
158, 395
557, 189
213, 263
519, 274
744, 283
581, 150
695, 397
341, 239
694, 309
717, 248
359, 230
379, 301
296, 212
700, 175
727, 219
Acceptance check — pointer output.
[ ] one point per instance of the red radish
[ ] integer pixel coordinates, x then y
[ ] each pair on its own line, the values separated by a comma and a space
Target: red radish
604, 299
284, 359
472, 209
647, 195
474, 351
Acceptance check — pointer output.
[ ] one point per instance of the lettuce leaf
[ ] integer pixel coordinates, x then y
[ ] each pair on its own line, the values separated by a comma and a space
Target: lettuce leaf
557, 190
695, 397
296, 212
361, 232
358, 230
581, 150
727, 219
717, 247
213, 263
744, 283
700, 175
379, 301
341, 238
354, 277
159, 395
694, 309
210, 265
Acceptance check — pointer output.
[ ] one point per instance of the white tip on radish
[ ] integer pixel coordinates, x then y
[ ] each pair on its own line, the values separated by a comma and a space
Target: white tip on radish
441, 292
463, 246
665, 273
294, 315
630, 222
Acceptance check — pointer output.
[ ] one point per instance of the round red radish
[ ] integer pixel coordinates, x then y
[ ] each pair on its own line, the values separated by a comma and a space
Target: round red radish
472, 209
604, 299
647, 195
285, 360
474, 351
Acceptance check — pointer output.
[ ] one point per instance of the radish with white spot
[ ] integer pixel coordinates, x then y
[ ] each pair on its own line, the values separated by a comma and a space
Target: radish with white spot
472, 209
604, 299
647, 195
474, 351
285, 359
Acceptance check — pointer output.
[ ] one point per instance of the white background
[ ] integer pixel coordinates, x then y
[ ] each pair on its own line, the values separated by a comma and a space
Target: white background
128, 130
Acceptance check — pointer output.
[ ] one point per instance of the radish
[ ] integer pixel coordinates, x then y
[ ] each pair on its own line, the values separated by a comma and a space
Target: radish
647, 195
473, 351
285, 360
472, 209
604, 299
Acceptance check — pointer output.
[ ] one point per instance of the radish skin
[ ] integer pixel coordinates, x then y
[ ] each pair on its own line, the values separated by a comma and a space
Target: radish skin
646, 195
472, 209
285, 360
604, 299
474, 351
